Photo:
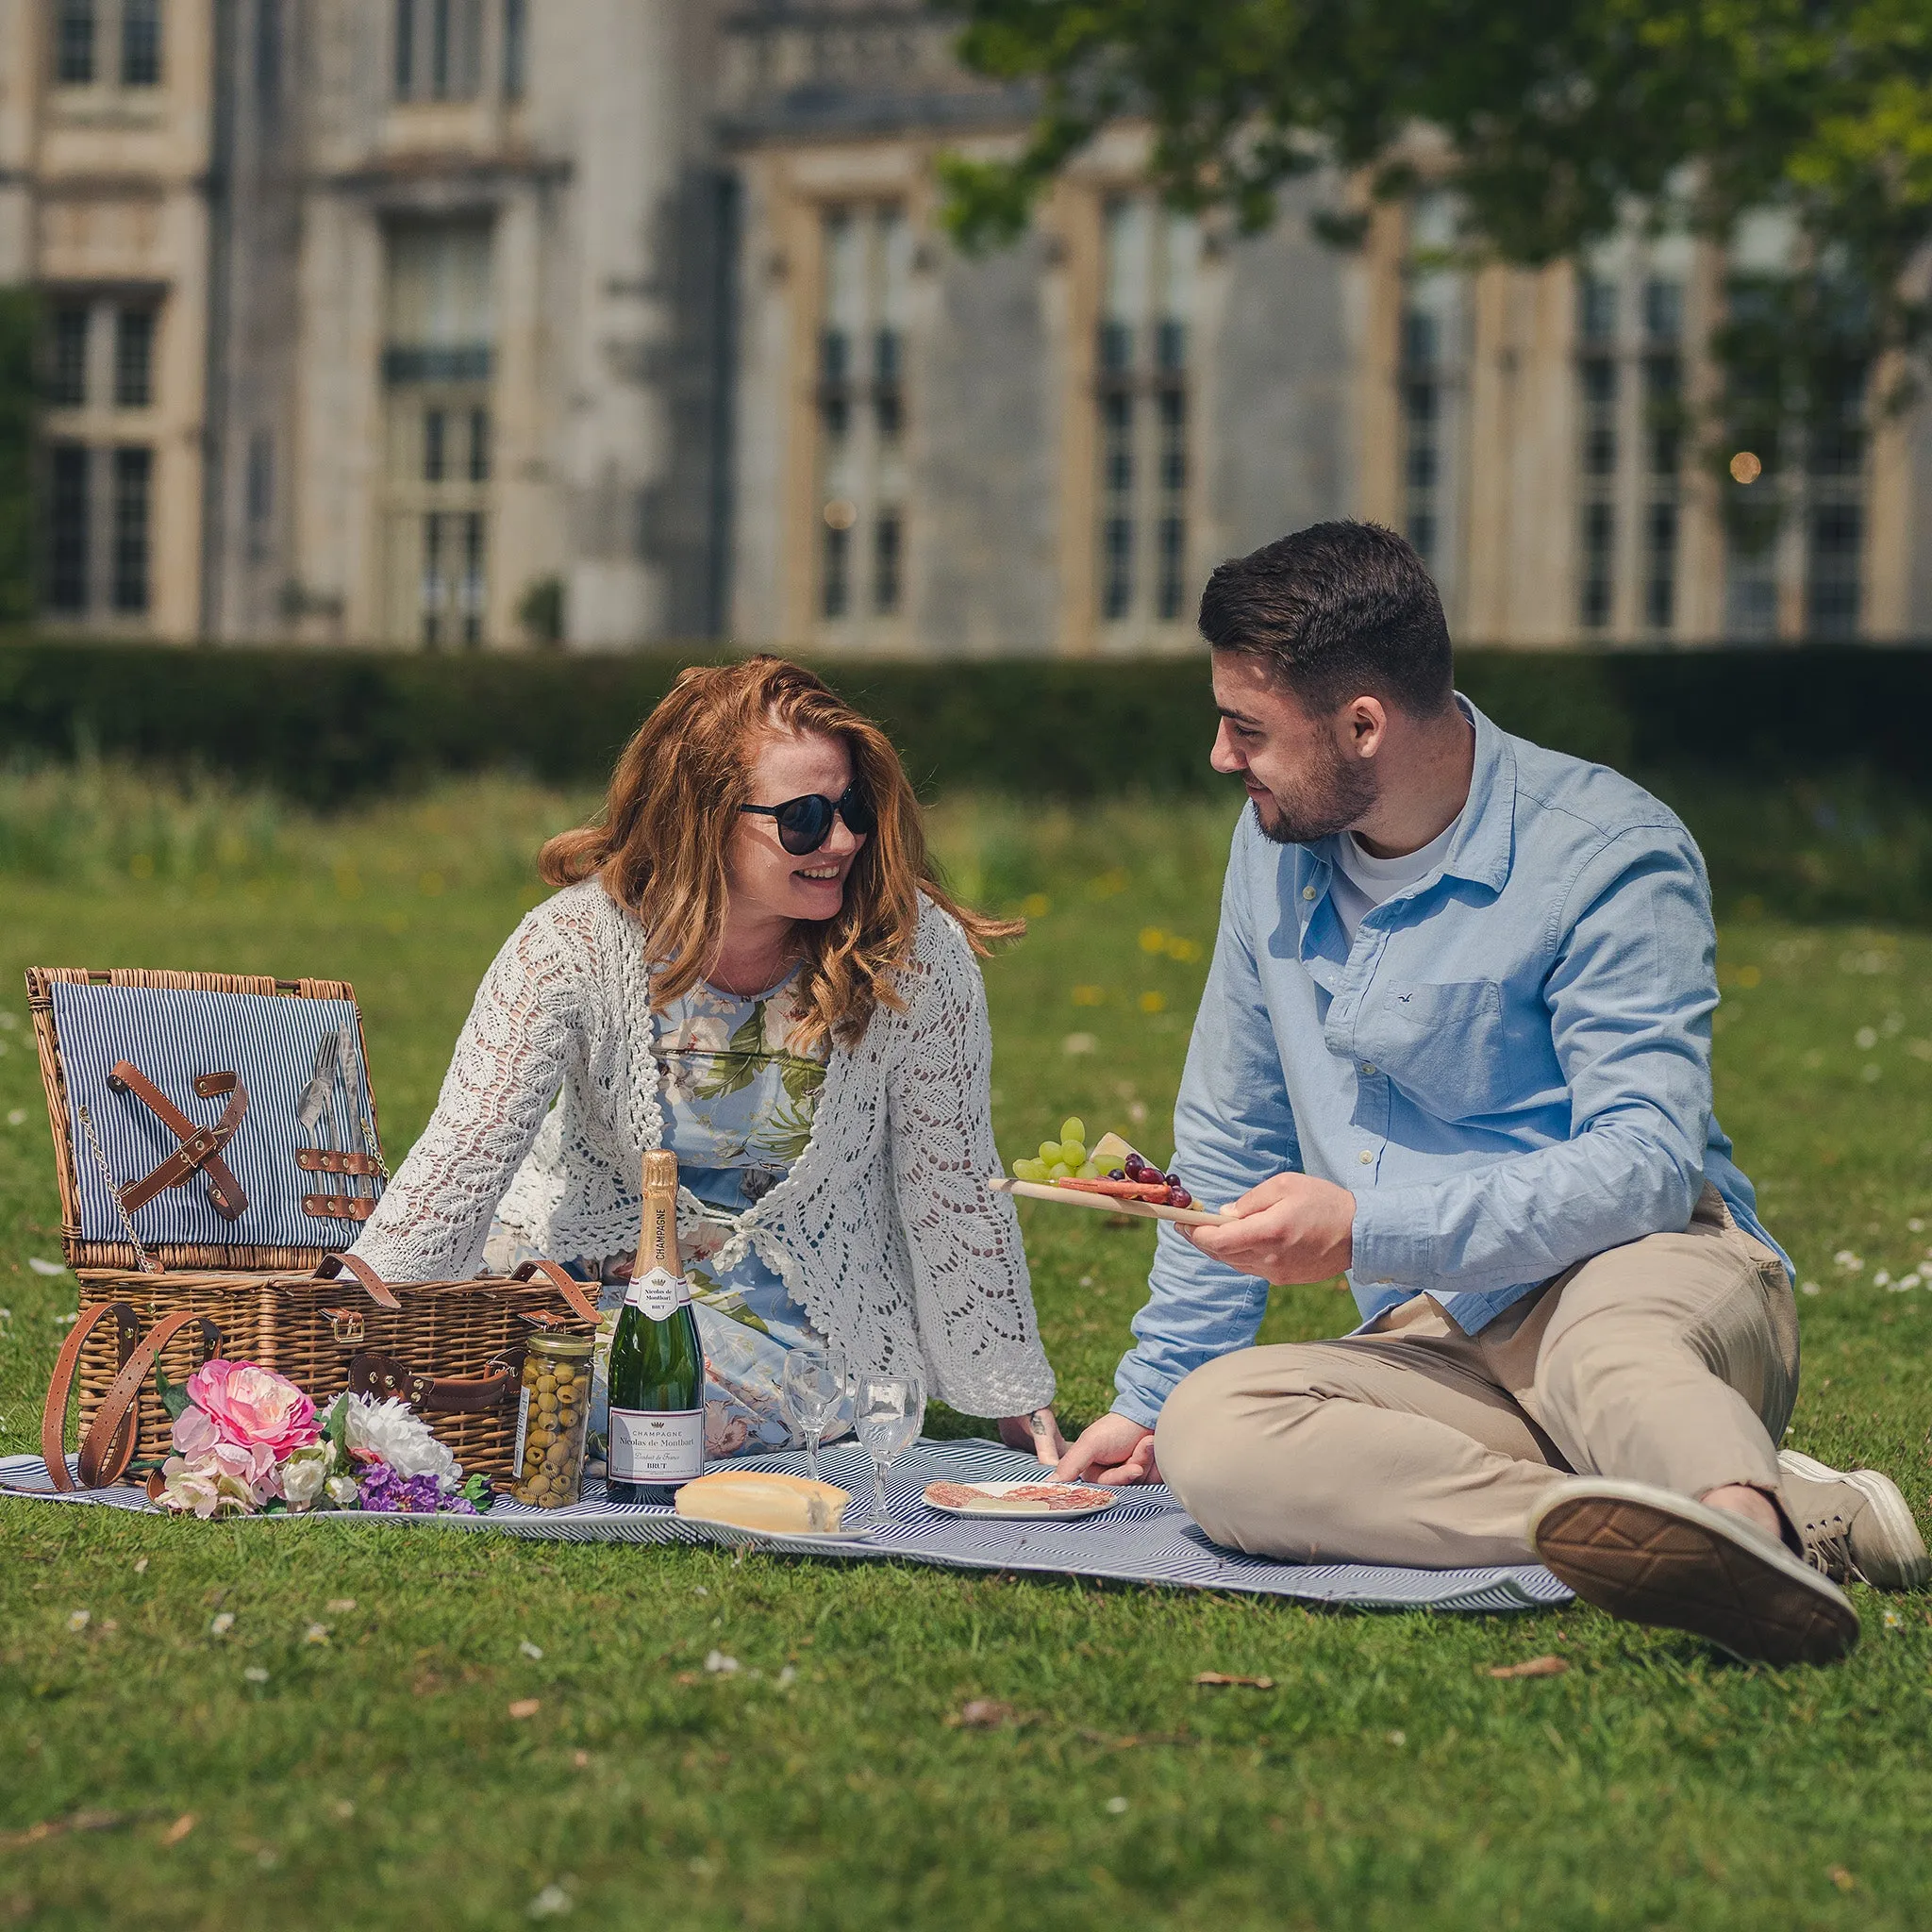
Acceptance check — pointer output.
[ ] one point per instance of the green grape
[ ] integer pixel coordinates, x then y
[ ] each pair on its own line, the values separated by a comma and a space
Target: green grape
1090, 1170
1073, 1128
1029, 1170
1073, 1151
1059, 1171
1049, 1151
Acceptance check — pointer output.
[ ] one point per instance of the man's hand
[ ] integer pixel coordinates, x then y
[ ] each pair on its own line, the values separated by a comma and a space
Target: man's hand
1037, 1431
1115, 1449
1291, 1229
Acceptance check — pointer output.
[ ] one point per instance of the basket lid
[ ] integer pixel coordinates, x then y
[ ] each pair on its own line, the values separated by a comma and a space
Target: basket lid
252, 1095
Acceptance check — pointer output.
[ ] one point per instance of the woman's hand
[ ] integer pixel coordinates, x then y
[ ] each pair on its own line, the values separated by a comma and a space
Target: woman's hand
1037, 1431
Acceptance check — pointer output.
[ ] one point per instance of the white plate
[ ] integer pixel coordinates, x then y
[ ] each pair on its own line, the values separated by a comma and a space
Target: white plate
1110, 1203
998, 1508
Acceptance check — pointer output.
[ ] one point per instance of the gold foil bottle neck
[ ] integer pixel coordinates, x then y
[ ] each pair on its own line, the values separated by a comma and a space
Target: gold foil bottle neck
660, 1172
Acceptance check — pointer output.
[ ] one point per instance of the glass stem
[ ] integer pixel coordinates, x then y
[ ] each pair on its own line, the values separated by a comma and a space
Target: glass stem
812, 1453
878, 1491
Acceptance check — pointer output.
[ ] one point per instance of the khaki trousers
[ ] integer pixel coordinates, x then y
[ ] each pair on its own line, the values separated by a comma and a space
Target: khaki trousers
1673, 1360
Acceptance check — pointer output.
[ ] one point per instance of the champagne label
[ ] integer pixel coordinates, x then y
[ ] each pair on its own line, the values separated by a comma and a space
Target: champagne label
656, 1446
658, 1293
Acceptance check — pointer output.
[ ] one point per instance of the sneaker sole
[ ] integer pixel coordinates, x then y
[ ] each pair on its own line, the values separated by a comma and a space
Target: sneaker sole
1650, 1557
1913, 1565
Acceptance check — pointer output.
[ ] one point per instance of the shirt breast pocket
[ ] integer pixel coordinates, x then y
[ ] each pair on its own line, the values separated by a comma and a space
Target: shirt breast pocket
1446, 1047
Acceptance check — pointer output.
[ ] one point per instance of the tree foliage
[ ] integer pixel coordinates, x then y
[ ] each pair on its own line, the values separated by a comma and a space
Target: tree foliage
17, 405
1553, 121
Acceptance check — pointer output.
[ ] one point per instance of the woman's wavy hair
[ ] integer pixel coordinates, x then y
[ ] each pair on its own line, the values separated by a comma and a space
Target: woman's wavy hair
659, 843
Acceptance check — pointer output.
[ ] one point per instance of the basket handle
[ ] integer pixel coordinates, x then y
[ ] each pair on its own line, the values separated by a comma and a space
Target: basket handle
567, 1285
108, 1447
378, 1289
384, 1375
53, 1410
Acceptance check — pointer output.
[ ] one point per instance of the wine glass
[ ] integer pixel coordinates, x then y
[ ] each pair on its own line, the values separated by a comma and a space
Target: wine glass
812, 1390
888, 1411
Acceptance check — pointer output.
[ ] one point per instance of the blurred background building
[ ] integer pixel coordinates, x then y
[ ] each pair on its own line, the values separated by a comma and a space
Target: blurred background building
486, 323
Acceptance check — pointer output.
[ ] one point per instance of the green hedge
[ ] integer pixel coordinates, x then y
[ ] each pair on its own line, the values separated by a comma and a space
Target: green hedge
324, 724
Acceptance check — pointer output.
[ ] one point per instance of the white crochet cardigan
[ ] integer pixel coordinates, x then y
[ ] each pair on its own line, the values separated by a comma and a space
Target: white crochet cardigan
884, 1229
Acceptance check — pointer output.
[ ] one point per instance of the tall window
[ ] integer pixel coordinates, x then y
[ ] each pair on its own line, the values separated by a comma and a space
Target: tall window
86, 52
1630, 437
516, 49
437, 366
439, 49
99, 485
1430, 389
867, 256
1150, 259
141, 42
77, 27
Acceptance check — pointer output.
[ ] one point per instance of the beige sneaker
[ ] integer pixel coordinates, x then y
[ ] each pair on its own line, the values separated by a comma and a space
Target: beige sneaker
1653, 1557
1853, 1524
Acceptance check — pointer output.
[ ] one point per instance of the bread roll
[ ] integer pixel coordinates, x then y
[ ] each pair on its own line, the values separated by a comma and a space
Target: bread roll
786, 1504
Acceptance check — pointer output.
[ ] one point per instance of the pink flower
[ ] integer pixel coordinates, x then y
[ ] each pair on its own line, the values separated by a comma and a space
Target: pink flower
194, 1435
230, 1479
254, 1408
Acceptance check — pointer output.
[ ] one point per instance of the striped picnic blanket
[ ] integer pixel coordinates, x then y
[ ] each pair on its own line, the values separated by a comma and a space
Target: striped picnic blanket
1145, 1538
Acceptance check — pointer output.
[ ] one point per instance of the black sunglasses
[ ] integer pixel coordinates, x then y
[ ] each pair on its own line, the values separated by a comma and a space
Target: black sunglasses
805, 824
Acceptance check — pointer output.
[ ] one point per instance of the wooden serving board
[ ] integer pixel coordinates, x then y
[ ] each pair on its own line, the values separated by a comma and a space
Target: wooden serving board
1113, 1203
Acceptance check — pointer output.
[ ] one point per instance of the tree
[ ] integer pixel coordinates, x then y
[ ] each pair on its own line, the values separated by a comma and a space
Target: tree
1553, 121
17, 406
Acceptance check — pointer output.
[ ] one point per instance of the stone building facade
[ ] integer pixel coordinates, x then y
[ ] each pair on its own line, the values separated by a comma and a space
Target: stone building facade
473, 322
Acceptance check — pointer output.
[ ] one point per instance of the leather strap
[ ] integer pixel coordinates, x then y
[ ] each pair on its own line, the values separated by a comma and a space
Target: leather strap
384, 1375
109, 1446
201, 1147
53, 1410
339, 1207
324, 1160
567, 1285
378, 1289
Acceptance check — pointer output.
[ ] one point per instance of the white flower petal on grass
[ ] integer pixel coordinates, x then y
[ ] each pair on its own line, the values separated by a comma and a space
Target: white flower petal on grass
531, 1650
1915, 1225
47, 1268
1907, 1281
1850, 1262
786, 1678
1865, 1039
551, 1902
1079, 1043
220, 1625
16, 1117
720, 1665
1809, 1287
316, 1633
1116, 1805
1883, 1278
255, 1674
80, 1619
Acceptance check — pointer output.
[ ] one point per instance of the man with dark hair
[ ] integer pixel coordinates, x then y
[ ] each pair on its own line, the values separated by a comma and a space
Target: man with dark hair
1456, 1042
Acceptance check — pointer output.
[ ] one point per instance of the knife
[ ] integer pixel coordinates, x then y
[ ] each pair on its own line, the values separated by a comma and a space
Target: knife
315, 1097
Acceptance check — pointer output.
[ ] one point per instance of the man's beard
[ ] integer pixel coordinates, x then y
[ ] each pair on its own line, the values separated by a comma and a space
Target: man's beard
1327, 801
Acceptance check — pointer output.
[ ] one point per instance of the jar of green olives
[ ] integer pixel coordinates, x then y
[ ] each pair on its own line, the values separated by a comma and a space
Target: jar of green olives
553, 1412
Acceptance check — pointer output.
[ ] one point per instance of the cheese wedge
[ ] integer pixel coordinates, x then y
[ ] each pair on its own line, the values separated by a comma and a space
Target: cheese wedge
749, 1499
1110, 1151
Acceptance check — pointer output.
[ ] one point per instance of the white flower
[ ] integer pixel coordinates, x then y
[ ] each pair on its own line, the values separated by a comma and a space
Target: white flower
1883, 1278
394, 1433
344, 1492
1850, 1262
303, 1476
1911, 1281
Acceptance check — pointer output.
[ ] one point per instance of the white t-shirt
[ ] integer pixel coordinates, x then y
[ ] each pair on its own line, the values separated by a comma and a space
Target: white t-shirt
1361, 880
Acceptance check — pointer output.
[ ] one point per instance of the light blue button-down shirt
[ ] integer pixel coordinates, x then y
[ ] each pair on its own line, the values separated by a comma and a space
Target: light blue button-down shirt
1509, 1068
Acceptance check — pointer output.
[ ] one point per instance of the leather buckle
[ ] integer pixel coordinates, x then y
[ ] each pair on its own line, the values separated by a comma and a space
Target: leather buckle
347, 1326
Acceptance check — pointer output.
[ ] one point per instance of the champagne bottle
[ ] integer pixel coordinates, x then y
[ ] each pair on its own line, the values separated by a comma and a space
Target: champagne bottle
657, 1379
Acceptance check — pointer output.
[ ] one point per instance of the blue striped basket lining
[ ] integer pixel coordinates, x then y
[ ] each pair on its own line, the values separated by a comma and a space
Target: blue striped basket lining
172, 1034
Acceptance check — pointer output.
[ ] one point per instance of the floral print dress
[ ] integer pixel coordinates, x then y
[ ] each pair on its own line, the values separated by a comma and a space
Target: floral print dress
738, 1098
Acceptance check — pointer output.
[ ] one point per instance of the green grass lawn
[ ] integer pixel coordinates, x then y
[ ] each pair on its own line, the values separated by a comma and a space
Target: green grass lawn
368, 1773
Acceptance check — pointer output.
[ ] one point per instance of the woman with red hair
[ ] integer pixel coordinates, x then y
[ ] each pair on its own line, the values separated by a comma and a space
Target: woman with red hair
750, 962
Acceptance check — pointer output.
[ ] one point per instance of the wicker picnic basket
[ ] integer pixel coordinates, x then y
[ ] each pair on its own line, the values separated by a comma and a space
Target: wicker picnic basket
321, 1318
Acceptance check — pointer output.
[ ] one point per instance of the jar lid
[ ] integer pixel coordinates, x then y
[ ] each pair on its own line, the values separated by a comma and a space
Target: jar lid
568, 1346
